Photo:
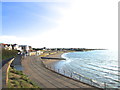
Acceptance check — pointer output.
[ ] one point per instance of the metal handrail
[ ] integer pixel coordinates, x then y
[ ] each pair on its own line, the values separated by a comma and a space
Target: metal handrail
81, 78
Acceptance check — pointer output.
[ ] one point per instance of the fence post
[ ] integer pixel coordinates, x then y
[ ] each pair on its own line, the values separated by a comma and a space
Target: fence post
91, 81
51, 68
58, 70
79, 78
71, 75
48, 67
105, 85
64, 72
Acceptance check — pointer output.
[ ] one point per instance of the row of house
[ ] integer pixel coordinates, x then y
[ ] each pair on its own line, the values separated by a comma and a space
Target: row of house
23, 49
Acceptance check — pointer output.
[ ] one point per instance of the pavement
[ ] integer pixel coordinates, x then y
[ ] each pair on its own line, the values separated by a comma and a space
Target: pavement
45, 78
17, 60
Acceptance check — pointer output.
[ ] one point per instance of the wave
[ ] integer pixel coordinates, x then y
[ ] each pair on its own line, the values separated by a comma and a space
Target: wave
110, 71
113, 69
74, 68
88, 66
93, 64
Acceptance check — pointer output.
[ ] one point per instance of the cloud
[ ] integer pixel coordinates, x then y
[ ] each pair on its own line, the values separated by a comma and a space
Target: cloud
37, 41
13, 39
91, 25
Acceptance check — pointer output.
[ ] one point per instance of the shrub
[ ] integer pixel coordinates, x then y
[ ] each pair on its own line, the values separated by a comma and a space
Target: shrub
8, 53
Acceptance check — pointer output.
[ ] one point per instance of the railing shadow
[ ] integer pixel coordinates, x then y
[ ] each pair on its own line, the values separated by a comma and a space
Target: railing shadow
3, 62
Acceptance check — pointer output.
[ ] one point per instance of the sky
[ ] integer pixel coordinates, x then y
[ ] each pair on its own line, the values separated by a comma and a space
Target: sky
62, 24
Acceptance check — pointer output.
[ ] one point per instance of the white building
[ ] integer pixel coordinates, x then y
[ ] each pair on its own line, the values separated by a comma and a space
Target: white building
24, 48
7, 46
36, 53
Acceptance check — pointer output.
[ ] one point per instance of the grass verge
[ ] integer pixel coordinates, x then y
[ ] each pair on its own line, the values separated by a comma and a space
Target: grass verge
16, 79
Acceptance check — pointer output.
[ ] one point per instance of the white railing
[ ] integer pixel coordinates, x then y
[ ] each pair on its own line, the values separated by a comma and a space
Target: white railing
81, 78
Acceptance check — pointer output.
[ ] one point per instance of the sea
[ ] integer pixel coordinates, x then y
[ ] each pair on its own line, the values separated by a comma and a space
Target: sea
97, 67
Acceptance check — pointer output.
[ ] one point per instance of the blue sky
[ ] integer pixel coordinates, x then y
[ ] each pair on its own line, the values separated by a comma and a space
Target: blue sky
26, 19
0, 18
73, 23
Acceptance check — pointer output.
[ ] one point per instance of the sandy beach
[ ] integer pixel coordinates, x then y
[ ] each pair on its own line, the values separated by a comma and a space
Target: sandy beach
52, 62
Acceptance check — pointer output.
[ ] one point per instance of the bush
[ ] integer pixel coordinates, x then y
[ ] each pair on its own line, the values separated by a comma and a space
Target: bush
6, 54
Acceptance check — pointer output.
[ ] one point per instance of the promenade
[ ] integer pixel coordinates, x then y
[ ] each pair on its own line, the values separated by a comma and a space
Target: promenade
45, 78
